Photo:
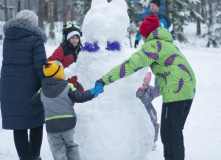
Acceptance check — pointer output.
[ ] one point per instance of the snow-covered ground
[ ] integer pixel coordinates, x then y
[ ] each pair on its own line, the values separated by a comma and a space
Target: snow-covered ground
202, 130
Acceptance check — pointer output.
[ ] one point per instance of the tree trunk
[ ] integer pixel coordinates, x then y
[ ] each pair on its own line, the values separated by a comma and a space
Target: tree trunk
55, 10
19, 5
29, 5
202, 10
6, 11
198, 27
51, 19
166, 6
41, 14
210, 13
64, 12
51, 13
72, 11
198, 21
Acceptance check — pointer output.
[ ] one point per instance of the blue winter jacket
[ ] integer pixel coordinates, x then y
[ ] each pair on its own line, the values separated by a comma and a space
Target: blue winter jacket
21, 74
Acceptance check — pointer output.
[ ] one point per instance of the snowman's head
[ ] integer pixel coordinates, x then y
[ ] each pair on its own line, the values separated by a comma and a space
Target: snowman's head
106, 22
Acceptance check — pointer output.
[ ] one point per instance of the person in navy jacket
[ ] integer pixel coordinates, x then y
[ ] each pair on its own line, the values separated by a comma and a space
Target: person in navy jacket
164, 20
21, 75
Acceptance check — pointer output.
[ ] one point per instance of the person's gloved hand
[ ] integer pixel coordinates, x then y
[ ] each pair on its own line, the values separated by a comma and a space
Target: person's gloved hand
93, 92
99, 86
136, 43
99, 81
96, 90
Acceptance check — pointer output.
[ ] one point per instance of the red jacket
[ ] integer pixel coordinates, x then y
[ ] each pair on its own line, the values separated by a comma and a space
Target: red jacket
66, 54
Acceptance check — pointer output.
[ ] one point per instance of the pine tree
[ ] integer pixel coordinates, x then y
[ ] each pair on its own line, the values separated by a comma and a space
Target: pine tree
133, 8
83, 6
182, 12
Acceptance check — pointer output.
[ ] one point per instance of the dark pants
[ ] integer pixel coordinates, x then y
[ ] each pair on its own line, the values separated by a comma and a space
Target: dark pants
173, 118
28, 148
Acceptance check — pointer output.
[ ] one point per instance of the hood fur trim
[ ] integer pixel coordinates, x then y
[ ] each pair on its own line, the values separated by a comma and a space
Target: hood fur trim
19, 23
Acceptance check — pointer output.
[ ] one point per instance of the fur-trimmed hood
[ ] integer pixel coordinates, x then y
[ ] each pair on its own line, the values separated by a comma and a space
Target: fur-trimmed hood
17, 25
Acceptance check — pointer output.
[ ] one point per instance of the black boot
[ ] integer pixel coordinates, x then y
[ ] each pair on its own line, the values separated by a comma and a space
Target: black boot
36, 158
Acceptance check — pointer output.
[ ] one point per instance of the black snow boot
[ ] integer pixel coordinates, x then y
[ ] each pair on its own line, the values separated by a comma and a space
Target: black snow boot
36, 158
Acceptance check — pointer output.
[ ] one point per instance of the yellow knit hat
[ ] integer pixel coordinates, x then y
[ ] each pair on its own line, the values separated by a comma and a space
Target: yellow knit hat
53, 69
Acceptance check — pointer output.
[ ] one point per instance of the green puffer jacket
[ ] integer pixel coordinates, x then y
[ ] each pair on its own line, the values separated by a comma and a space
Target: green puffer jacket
175, 77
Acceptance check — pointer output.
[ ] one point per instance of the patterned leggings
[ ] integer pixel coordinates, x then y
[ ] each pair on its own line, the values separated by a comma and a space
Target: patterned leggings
153, 116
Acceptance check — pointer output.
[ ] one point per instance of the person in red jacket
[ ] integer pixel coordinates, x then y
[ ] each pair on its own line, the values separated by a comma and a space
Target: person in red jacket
68, 51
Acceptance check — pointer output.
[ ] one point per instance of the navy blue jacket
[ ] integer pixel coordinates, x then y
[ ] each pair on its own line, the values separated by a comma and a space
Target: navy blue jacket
21, 74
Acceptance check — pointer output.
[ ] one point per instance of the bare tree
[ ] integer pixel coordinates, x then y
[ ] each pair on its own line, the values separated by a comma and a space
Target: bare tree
41, 13
51, 18
6, 11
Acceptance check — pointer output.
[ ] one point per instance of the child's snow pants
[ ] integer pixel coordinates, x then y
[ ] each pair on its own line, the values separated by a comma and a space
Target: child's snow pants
62, 145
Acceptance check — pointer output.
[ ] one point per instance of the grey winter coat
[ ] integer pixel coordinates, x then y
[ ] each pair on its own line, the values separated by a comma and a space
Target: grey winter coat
56, 95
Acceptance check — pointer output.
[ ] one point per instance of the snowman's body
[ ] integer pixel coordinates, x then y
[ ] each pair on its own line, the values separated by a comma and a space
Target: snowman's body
115, 125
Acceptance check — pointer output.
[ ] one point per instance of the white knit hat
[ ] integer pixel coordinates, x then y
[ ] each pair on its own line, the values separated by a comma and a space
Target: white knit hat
72, 33
28, 16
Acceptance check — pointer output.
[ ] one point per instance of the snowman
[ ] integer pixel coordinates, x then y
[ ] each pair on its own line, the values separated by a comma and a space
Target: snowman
115, 125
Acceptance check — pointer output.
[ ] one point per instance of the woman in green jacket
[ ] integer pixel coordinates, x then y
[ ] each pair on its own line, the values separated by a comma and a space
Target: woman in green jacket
175, 77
